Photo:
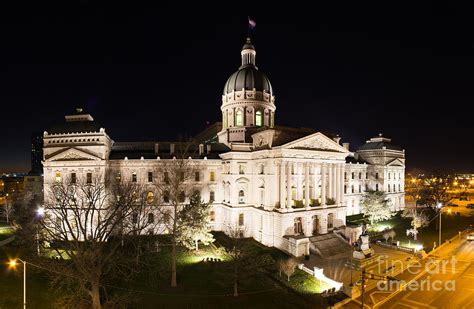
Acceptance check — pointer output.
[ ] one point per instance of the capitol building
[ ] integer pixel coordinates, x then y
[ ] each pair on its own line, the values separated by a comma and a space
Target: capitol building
282, 186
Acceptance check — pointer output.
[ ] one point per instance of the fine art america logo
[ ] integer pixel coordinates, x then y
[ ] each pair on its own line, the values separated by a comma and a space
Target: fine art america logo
432, 268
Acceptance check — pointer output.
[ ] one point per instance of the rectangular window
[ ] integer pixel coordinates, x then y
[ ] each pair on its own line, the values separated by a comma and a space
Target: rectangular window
345, 175
241, 219
212, 176
352, 175
134, 177
360, 175
360, 188
366, 175
166, 178
241, 169
352, 189
196, 176
182, 197
211, 196
89, 177
212, 216
150, 176
345, 189
376, 175
73, 177
166, 197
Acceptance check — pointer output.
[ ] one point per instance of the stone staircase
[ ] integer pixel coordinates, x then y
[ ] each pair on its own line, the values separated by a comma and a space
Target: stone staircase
329, 246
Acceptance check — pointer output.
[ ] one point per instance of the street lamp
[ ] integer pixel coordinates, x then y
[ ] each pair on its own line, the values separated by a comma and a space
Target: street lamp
440, 212
12, 264
40, 214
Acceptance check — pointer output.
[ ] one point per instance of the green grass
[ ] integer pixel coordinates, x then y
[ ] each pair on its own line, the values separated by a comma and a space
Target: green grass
5, 232
451, 224
200, 284
303, 282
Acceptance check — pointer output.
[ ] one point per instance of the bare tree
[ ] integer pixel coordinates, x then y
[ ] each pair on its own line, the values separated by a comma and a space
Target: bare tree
289, 266
243, 262
88, 222
175, 187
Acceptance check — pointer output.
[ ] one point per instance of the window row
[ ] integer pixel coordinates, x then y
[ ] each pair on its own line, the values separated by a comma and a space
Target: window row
166, 177
73, 140
181, 197
72, 177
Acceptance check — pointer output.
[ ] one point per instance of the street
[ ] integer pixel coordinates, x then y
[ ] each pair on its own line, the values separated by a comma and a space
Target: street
461, 274
443, 280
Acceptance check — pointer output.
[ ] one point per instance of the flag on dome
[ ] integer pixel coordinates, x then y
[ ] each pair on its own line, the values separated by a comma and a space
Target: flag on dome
252, 23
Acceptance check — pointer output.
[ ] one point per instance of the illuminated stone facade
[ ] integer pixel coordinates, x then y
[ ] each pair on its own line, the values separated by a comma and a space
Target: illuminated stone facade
279, 185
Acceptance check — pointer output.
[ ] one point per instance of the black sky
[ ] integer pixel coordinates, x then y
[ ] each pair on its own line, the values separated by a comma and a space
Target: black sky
153, 73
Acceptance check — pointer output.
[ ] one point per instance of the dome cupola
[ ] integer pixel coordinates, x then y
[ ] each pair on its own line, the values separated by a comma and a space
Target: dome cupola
247, 100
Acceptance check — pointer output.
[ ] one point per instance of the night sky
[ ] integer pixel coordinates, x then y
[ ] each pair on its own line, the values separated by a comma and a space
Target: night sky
153, 73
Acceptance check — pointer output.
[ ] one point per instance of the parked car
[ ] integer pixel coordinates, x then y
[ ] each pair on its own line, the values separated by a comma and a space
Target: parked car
453, 205
470, 237
470, 206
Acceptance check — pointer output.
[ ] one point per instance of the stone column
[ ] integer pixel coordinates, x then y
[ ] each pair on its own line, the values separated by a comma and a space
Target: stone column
334, 181
330, 178
299, 189
323, 184
315, 181
341, 176
338, 184
282, 185
306, 185
288, 185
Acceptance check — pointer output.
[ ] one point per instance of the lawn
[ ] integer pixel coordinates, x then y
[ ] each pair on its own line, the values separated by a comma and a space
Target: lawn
451, 225
200, 284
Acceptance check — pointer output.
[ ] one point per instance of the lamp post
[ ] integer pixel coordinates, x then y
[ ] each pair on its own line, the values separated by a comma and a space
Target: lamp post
12, 264
40, 214
440, 212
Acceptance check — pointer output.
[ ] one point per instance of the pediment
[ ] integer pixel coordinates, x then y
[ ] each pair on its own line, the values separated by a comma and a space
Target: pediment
396, 162
72, 154
316, 141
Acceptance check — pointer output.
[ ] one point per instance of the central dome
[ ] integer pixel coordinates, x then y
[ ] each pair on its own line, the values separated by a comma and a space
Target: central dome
248, 77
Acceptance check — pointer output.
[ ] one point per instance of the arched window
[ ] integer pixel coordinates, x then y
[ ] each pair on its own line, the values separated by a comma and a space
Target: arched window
149, 197
241, 197
262, 169
258, 119
238, 118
